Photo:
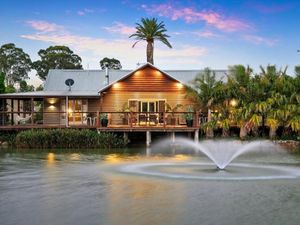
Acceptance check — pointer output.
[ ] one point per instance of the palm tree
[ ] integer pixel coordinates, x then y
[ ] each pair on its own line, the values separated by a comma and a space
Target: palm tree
206, 91
150, 30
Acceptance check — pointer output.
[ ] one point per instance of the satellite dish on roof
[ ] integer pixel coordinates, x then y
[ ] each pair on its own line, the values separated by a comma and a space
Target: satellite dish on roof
69, 82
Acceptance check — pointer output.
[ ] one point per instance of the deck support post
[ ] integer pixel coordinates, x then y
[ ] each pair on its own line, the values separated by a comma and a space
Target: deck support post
125, 137
196, 136
148, 138
173, 137
32, 110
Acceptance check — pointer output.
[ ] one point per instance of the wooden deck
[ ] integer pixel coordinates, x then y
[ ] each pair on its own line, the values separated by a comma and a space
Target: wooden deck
112, 128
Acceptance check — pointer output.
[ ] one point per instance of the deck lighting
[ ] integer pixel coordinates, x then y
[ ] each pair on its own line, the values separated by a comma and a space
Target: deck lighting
233, 102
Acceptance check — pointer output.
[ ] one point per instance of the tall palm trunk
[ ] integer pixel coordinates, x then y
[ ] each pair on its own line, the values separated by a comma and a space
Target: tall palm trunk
243, 132
209, 130
150, 50
272, 132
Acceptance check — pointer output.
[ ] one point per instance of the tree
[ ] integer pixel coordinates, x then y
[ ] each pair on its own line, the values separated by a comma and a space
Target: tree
40, 88
24, 87
14, 63
150, 30
2, 83
56, 57
207, 93
10, 89
110, 63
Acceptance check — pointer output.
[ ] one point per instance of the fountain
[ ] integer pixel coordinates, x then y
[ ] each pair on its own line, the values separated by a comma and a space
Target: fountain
221, 153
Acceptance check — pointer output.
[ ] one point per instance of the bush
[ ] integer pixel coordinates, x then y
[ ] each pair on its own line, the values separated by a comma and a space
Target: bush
67, 138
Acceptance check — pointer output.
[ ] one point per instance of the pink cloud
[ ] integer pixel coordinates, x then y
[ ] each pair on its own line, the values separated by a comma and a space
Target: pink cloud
44, 26
206, 34
260, 40
190, 15
120, 28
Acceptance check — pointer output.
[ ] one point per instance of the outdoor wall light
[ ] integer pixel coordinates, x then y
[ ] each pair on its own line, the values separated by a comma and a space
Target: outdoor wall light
233, 102
179, 85
116, 85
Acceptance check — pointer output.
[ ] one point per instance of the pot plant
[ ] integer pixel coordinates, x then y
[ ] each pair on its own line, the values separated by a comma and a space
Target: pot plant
104, 119
189, 116
172, 110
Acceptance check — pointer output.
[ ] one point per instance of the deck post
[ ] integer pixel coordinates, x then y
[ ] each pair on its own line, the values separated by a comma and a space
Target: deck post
12, 111
66, 111
197, 119
32, 110
148, 138
98, 119
173, 137
125, 137
196, 136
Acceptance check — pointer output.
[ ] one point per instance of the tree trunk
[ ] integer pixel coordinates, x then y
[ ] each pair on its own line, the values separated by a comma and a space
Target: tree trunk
272, 132
243, 132
150, 52
209, 130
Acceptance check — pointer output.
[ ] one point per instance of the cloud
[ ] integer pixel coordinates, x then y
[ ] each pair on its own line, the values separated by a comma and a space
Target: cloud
260, 40
44, 26
206, 34
93, 49
85, 11
120, 28
190, 15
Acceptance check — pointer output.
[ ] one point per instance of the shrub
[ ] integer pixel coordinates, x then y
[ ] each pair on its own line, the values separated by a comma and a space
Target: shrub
67, 138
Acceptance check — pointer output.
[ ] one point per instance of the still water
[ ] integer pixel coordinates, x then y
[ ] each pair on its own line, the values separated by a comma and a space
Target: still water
78, 188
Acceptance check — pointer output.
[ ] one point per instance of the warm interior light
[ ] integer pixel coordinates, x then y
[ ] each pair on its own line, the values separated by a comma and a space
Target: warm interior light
179, 85
116, 85
233, 102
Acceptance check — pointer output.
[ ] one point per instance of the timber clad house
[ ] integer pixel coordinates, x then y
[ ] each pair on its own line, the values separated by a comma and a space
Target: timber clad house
139, 100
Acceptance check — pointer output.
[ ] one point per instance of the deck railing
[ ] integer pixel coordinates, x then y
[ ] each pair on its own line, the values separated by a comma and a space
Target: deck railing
94, 119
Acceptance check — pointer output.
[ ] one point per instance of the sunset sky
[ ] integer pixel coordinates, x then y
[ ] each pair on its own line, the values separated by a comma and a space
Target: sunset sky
207, 33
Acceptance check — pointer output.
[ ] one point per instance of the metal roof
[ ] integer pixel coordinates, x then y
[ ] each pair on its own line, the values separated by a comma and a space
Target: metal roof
90, 82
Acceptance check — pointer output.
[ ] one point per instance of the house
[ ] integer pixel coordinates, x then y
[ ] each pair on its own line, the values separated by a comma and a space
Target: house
135, 100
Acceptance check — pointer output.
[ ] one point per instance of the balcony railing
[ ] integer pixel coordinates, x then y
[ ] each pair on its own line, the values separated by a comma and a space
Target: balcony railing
92, 119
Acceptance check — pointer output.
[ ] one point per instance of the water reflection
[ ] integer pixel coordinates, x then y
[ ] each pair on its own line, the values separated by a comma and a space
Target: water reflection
144, 201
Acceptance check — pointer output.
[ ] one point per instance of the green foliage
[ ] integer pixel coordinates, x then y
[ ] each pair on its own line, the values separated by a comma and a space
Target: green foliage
112, 63
67, 138
2, 83
270, 98
189, 115
103, 116
150, 30
56, 57
40, 88
24, 87
9, 138
10, 89
14, 63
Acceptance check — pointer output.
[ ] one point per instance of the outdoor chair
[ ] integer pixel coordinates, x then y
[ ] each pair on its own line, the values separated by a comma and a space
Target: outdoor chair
153, 119
142, 119
22, 120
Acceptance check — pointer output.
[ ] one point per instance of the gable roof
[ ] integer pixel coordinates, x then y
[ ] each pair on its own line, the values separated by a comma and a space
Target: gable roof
139, 68
88, 83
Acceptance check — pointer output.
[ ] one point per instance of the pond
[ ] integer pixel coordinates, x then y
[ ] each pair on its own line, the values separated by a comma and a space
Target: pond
90, 188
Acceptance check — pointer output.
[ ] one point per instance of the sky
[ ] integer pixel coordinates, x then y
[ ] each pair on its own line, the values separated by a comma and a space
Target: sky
206, 33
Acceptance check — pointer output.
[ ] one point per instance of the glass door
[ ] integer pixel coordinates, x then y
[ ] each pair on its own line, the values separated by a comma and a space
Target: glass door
76, 111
